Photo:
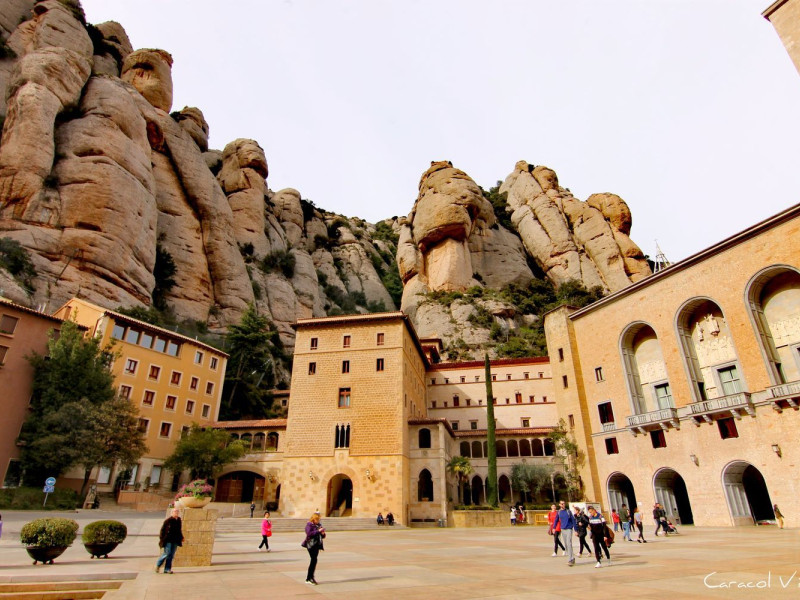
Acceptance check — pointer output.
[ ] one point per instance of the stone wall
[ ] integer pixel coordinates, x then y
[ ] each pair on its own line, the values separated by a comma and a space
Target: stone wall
199, 527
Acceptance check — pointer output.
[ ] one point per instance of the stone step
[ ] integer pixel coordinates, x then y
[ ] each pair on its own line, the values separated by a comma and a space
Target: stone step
280, 524
58, 590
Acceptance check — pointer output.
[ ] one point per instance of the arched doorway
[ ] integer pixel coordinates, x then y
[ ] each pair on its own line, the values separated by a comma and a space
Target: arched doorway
620, 491
477, 490
670, 492
340, 496
504, 489
240, 486
747, 494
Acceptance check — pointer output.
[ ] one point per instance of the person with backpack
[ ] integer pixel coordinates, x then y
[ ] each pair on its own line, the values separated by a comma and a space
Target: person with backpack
582, 529
600, 534
566, 523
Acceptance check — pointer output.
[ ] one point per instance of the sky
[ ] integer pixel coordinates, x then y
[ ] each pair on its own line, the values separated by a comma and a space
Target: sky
687, 109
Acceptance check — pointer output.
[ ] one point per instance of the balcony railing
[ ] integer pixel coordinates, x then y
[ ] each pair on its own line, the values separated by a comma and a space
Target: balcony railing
732, 403
663, 418
610, 426
785, 395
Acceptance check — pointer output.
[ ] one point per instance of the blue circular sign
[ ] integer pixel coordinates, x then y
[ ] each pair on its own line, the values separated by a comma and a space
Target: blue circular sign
50, 481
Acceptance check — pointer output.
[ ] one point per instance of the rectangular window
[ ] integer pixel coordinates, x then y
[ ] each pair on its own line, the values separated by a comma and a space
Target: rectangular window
508, 376
144, 425
598, 373
118, 333
146, 341
8, 324
531, 399
526, 375
173, 348
379, 364
541, 375
526, 422
175, 378
189, 407
518, 397
477, 377
184, 430
206, 411
663, 395
130, 366
469, 402
346, 341
193, 383
571, 419
729, 379
345, 366
508, 401
155, 372
565, 381
433, 380
454, 425
463, 379
125, 392
727, 428
312, 368
611, 446
213, 363
560, 355
210, 388
314, 343
446, 380
473, 424
658, 439
494, 377
160, 345
155, 475
344, 397
456, 401
132, 337
433, 403
166, 429
171, 402
198, 357
380, 339
149, 398
606, 412
104, 475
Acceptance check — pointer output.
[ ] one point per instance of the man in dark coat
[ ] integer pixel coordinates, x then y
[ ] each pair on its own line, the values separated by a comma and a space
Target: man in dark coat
169, 538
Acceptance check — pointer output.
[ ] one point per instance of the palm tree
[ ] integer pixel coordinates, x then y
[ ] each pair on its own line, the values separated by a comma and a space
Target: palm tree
461, 468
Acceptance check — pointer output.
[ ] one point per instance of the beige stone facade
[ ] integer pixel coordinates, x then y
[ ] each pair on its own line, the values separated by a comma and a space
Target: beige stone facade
684, 387
785, 17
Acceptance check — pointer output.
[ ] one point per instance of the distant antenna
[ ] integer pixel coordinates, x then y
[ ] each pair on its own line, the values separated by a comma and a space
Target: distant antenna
661, 262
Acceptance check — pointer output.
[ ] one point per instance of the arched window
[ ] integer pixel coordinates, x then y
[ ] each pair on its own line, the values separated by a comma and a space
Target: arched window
342, 436
500, 446
247, 438
259, 441
538, 448
425, 486
272, 441
645, 370
513, 448
465, 449
424, 438
549, 447
476, 490
234, 436
524, 448
477, 450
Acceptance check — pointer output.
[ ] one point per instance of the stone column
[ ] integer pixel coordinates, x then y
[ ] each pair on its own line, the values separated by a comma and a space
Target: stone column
199, 526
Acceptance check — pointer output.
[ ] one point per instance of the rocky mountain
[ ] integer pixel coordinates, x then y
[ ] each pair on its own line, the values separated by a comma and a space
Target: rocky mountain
119, 200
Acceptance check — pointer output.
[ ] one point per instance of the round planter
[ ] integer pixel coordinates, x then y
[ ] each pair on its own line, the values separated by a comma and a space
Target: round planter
45, 554
192, 502
102, 549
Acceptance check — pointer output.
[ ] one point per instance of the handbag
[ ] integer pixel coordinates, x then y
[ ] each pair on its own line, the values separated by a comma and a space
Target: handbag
314, 542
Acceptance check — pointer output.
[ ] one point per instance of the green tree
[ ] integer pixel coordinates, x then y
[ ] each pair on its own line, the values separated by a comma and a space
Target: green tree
571, 456
164, 274
461, 468
491, 483
204, 452
531, 478
250, 374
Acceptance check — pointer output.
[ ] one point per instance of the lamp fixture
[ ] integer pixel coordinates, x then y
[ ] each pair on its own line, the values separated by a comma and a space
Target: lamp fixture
694, 459
271, 478
777, 450
311, 475
369, 475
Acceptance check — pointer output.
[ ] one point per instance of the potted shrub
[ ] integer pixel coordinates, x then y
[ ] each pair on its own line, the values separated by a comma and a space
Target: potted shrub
101, 537
194, 495
46, 539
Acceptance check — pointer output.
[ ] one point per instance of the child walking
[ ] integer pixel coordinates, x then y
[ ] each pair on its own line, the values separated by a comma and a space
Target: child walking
266, 532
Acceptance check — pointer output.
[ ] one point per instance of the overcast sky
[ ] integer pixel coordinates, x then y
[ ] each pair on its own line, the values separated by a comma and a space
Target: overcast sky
688, 109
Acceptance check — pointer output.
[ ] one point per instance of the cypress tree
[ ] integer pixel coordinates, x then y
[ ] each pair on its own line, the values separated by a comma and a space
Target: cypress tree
491, 500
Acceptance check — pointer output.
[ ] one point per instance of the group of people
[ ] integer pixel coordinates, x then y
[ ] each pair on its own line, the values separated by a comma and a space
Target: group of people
517, 514
389, 520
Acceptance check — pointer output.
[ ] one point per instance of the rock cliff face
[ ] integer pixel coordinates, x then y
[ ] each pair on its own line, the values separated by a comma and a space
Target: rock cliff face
120, 201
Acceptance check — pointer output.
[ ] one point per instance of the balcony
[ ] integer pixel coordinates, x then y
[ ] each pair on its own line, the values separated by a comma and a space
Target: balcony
785, 395
610, 426
734, 405
664, 418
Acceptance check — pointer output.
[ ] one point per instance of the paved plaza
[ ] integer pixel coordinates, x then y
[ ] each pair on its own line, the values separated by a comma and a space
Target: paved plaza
503, 563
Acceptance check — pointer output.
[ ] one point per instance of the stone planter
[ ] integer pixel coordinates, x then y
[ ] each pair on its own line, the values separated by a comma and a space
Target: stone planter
98, 550
192, 502
45, 554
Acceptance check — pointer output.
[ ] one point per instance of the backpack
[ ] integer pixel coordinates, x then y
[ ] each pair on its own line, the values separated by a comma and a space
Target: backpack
609, 535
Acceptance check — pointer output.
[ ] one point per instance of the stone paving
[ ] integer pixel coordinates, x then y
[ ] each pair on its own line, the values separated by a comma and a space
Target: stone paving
501, 564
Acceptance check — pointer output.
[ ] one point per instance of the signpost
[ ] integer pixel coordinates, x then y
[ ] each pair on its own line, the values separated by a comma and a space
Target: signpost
49, 488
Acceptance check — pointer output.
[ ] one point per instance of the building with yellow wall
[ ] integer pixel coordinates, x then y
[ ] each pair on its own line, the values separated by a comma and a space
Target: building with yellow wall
173, 380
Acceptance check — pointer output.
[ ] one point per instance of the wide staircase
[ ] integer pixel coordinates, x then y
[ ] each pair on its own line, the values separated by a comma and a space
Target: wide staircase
248, 525
66, 587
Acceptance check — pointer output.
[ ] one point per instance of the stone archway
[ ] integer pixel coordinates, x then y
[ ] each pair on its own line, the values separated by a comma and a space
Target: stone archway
747, 494
620, 491
670, 492
340, 496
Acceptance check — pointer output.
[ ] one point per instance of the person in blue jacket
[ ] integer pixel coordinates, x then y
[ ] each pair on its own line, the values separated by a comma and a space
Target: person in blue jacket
567, 522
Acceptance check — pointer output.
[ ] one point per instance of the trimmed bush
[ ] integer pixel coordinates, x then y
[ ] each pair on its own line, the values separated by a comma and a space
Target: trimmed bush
49, 532
104, 532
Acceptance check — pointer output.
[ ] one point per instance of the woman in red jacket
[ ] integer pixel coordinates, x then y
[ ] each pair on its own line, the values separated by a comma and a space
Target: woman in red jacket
555, 530
266, 532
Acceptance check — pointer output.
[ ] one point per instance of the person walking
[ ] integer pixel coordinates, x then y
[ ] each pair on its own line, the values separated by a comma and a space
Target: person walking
637, 518
266, 532
775, 509
566, 523
581, 528
555, 530
660, 517
615, 519
625, 518
598, 526
252, 508
169, 538
315, 533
